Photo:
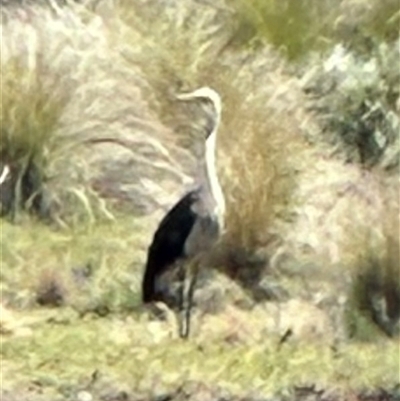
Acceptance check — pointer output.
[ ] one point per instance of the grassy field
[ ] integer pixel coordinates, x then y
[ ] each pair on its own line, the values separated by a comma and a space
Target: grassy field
308, 155
62, 353
99, 340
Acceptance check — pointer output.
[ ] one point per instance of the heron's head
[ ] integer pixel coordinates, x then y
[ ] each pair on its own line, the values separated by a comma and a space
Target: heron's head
210, 101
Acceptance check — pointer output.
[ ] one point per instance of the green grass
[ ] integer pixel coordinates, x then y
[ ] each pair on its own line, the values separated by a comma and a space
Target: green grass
61, 347
67, 354
32, 103
294, 27
32, 255
298, 28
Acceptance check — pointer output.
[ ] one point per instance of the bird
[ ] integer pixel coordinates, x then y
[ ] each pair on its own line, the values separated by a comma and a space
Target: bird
192, 227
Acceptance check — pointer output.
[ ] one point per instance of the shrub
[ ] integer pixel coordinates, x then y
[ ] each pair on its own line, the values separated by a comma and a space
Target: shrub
357, 97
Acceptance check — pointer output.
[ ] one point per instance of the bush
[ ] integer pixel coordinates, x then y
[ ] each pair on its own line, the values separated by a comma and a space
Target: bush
357, 98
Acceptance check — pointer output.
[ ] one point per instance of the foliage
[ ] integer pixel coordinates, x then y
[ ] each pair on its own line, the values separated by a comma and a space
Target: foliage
383, 22
32, 105
379, 22
357, 98
266, 184
298, 28
173, 49
295, 27
44, 120
30, 112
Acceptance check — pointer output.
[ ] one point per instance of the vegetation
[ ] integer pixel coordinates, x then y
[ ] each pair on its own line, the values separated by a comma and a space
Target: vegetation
374, 299
308, 157
31, 107
114, 352
357, 97
294, 27
302, 27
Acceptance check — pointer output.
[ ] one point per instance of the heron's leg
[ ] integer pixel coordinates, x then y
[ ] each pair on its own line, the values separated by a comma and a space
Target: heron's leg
189, 287
181, 292
192, 285
181, 297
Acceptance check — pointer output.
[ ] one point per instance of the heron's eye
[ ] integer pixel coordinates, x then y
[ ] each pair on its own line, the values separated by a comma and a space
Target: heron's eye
206, 102
208, 106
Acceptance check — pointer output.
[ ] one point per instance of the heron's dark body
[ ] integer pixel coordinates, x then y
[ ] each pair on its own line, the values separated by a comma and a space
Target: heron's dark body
168, 244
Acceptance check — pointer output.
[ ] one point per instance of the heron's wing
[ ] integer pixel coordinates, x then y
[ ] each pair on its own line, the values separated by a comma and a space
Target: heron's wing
168, 243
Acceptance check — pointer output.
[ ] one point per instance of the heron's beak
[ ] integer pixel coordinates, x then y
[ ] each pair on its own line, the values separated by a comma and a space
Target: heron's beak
185, 96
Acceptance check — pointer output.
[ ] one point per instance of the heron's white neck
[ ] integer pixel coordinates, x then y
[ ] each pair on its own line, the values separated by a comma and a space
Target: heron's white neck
211, 172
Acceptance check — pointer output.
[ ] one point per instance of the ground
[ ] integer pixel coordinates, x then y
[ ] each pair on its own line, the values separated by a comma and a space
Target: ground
99, 342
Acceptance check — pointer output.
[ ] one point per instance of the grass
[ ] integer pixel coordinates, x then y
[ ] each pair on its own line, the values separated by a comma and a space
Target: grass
31, 108
294, 27
299, 28
32, 105
382, 21
59, 349
95, 267
123, 348
266, 185
34, 101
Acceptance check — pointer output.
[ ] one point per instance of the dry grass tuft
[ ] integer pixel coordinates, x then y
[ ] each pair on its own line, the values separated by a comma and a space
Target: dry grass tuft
171, 48
31, 108
261, 181
259, 184
32, 105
